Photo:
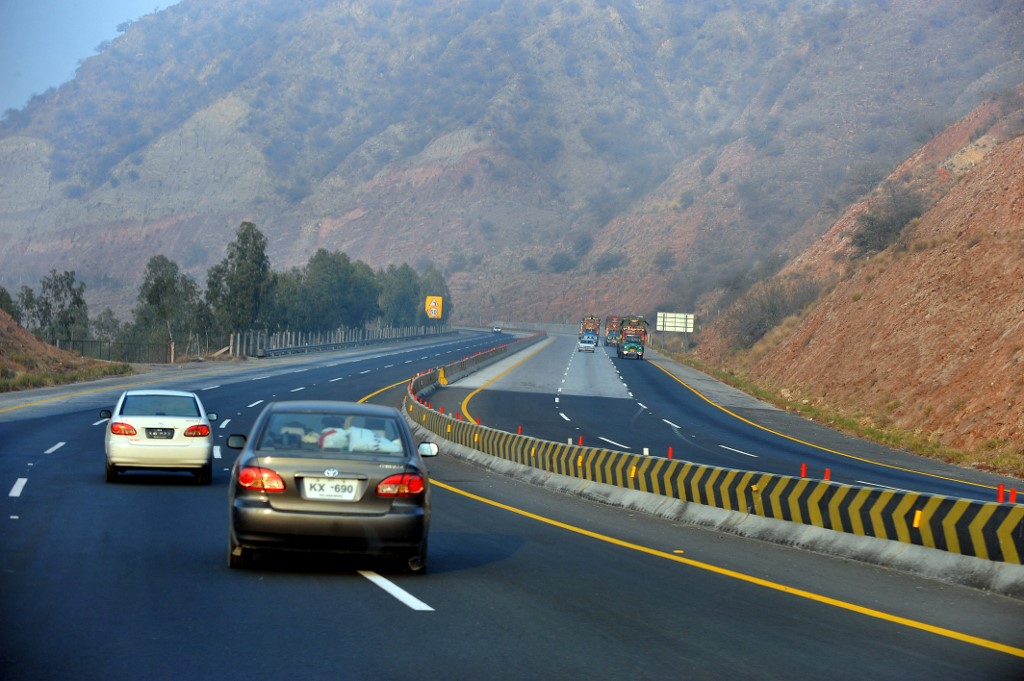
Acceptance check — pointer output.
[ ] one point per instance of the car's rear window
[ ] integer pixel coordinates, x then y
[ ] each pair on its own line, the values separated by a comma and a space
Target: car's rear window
160, 405
317, 434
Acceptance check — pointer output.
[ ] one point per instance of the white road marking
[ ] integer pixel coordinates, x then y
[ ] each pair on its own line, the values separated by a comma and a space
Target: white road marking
396, 591
255, 403
613, 442
642, 405
366, 371
224, 423
216, 451
210, 387
564, 416
260, 378
295, 390
670, 424
336, 379
18, 486
740, 451
875, 484
54, 448
101, 421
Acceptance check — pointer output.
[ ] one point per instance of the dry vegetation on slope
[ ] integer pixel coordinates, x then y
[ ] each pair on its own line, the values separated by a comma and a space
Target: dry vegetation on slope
924, 340
27, 362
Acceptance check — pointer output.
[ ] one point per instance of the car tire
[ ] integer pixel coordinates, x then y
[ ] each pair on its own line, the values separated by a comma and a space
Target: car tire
204, 475
112, 475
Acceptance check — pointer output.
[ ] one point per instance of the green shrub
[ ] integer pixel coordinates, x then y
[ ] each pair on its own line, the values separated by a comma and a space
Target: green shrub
766, 305
881, 226
561, 262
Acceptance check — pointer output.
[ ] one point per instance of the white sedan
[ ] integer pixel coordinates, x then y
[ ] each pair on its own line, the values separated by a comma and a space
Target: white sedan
159, 430
586, 345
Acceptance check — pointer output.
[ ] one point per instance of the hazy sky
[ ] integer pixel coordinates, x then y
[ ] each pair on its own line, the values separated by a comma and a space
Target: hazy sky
42, 41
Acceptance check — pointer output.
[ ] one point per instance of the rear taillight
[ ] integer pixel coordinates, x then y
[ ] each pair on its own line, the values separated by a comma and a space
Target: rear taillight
118, 428
198, 430
401, 485
259, 479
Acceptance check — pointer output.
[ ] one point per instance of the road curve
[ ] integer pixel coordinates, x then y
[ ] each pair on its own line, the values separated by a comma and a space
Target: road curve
102, 581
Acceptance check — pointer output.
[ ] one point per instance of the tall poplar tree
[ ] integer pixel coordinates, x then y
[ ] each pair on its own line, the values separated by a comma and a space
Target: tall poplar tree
238, 286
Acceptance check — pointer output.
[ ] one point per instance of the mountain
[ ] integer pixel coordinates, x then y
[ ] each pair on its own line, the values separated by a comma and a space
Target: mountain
550, 157
924, 335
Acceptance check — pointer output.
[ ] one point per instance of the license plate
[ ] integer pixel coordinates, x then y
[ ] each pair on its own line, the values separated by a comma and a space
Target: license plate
159, 433
330, 489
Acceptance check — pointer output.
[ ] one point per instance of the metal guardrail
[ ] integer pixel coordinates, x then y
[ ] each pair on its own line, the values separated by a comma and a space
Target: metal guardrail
262, 344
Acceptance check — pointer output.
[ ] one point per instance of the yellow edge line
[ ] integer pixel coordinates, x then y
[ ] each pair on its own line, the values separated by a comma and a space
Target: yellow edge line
810, 444
404, 381
732, 574
465, 403
114, 387
163, 379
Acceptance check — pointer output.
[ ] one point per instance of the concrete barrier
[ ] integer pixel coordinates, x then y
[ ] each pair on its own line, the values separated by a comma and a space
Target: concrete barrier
980, 544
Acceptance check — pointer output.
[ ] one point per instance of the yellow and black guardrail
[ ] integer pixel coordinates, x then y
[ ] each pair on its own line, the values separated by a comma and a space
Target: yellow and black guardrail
990, 531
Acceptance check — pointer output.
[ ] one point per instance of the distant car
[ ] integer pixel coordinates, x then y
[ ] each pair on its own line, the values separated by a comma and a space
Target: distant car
337, 477
159, 430
496, 329
586, 344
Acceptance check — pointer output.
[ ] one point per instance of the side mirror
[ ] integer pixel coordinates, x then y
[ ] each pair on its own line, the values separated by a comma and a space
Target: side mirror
104, 413
211, 416
427, 449
236, 441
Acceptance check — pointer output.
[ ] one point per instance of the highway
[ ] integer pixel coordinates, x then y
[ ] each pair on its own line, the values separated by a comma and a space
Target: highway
129, 580
659, 407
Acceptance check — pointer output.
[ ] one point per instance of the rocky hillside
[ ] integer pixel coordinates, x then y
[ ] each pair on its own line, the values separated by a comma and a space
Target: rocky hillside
926, 335
550, 157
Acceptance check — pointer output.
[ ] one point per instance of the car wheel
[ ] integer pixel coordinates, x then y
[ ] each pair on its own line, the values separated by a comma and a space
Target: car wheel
111, 472
239, 557
204, 475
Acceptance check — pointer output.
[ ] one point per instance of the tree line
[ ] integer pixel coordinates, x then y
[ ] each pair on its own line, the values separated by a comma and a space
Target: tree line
242, 293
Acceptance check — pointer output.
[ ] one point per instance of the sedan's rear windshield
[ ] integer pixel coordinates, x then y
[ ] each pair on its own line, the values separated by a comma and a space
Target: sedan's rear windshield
160, 405
311, 434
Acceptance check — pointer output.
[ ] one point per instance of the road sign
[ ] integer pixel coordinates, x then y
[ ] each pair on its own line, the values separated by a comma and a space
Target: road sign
675, 321
433, 307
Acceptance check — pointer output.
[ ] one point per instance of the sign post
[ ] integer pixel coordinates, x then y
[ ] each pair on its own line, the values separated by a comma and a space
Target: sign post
434, 306
679, 322
675, 321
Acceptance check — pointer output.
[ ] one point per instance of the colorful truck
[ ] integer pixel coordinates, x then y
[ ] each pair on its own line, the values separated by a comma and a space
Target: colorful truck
612, 330
590, 323
634, 336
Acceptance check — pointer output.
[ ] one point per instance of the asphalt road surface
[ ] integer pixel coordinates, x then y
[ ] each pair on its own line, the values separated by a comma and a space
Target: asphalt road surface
130, 580
659, 407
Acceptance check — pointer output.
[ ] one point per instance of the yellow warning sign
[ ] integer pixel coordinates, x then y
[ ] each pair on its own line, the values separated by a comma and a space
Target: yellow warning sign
433, 307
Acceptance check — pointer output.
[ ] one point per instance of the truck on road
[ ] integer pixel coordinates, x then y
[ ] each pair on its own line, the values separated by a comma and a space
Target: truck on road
590, 323
612, 330
634, 337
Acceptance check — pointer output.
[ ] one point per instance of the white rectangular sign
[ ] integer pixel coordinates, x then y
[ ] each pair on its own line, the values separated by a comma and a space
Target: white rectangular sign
675, 321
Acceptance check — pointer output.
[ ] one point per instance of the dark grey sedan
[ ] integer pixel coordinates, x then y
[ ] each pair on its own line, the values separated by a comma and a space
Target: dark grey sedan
337, 477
